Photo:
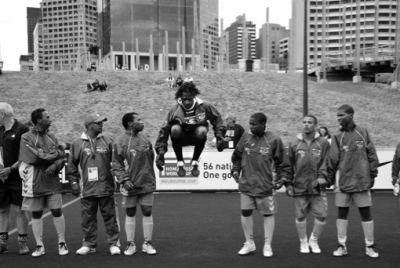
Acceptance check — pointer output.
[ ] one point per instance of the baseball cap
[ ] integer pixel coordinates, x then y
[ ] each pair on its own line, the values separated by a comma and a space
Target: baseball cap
93, 118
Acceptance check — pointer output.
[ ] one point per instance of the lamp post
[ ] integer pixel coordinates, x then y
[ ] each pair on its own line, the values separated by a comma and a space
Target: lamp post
305, 71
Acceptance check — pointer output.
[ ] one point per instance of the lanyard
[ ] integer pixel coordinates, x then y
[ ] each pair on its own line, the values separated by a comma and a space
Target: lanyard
92, 147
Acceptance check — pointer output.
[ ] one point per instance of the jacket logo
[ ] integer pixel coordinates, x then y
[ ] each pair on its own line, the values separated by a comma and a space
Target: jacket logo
346, 148
133, 152
202, 116
101, 150
301, 153
264, 150
87, 151
190, 120
360, 144
13, 136
316, 152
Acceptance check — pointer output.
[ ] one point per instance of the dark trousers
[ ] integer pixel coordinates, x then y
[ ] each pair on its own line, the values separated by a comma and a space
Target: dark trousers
108, 210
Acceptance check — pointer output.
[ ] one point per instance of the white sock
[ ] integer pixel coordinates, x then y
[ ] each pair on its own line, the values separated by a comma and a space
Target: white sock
342, 230
247, 224
59, 223
269, 227
368, 227
148, 228
302, 229
37, 227
130, 226
319, 227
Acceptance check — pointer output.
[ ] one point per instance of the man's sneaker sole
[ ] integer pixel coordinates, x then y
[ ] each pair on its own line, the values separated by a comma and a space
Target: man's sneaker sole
93, 250
128, 253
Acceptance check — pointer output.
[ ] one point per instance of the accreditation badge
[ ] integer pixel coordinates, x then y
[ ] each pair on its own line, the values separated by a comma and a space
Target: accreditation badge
93, 174
230, 144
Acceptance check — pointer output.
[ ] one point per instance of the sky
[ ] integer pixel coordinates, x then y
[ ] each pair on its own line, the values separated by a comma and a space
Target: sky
13, 23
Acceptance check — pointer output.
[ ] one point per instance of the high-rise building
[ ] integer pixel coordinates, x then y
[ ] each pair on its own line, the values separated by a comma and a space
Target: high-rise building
332, 28
38, 46
284, 53
26, 63
192, 23
236, 48
32, 15
269, 42
69, 29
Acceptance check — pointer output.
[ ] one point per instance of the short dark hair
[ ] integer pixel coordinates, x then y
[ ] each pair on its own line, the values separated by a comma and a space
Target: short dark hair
260, 117
36, 115
313, 117
347, 108
188, 87
128, 118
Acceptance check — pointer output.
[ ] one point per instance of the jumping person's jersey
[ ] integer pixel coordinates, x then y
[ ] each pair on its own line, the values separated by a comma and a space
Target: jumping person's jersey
189, 120
308, 164
255, 158
89, 164
353, 161
133, 160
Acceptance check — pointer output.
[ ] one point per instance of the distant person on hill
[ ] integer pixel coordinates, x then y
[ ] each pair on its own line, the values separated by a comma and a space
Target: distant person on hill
96, 85
259, 151
324, 133
187, 124
93, 66
170, 80
188, 78
179, 81
231, 132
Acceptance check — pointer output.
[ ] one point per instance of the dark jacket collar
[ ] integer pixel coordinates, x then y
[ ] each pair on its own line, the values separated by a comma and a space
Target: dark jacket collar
350, 127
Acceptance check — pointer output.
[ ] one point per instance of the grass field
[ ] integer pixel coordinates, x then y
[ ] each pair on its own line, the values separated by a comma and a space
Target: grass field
280, 96
204, 230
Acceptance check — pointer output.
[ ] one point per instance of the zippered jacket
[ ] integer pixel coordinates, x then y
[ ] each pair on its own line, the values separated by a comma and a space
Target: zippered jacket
133, 160
85, 154
38, 151
309, 162
396, 165
255, 159
203, 112
352, 162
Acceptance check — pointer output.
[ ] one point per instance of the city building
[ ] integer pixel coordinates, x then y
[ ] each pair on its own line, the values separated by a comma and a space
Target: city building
176, 34
284, 53
69, 29
272, 34
38, 46
32, 16
26, 63
333, 33
235, 31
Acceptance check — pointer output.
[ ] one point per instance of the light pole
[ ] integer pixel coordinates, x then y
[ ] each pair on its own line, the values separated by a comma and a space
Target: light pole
305, 70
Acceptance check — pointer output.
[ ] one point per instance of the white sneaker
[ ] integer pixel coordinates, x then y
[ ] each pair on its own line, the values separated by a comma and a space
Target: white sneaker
62, 249
247, 248
39, 251
267, 251
304, 247
130, 249
114, 250
313, 243
371, 251
340, 251
148, 248
85, 250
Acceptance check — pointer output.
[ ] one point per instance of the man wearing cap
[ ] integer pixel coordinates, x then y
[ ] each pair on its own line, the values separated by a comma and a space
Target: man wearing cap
89, 172
231, 132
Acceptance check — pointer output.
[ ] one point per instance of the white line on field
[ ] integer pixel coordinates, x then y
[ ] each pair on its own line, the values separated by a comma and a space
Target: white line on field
46, 214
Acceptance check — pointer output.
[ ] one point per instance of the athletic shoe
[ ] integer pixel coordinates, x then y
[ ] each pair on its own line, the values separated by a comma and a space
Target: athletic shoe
371, 251
340, 251
247, 248
130, 249
195, 169
39, 251
313, 243
114, 250
3, 244
23, 247
181, 169
62, 249
304, 247
148, 248
85, 250
267, 251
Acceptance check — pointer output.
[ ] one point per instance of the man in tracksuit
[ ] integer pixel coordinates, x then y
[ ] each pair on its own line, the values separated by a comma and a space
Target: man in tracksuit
308, 154
41, 159
187, 124
89, 172
258, 153
133, 165
352, 169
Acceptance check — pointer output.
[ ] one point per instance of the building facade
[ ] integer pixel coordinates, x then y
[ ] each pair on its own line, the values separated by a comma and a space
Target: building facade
26, 63
32, 16
269, 42
236, 48
69, 29
38, 46
284, 53
333, 31
131, 30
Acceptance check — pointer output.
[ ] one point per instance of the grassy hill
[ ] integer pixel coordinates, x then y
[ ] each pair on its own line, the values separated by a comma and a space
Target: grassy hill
280, 96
